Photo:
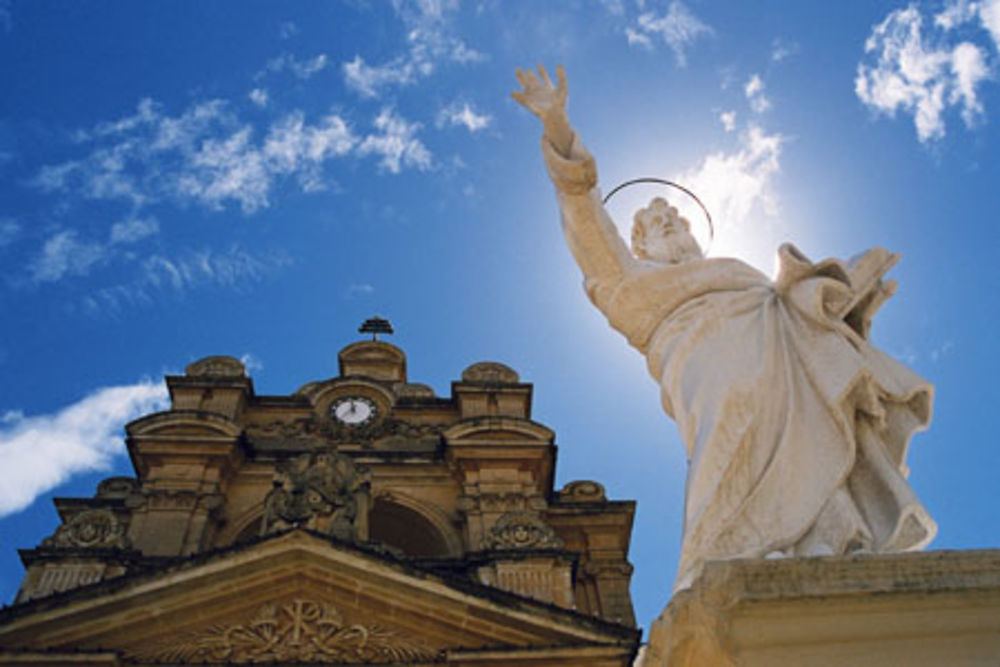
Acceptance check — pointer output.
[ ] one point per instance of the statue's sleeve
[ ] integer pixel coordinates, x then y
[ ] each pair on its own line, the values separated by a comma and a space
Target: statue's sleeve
590, 233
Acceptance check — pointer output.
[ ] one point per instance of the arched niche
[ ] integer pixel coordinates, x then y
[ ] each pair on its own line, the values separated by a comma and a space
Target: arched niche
396, 525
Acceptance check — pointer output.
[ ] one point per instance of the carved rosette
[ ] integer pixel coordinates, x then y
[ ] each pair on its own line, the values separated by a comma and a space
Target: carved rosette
522, 530
323, 491
297, 630
91, 529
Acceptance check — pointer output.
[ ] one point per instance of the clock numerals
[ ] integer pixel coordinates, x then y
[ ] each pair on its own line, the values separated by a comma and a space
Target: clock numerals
353, 410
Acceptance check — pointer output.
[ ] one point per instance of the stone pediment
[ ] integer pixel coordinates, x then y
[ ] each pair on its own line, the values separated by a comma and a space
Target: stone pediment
300, 597
184, 423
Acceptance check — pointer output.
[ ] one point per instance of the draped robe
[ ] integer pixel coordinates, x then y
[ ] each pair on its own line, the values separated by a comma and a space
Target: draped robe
796, 427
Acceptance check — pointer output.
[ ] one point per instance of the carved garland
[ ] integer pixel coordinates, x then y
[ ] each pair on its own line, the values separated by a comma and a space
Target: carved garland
300, 629
313, 428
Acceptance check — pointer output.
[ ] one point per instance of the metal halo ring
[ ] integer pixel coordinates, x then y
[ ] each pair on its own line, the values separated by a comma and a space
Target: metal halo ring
663, 181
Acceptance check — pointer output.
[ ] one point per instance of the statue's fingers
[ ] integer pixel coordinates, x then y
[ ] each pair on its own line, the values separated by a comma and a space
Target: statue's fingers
520, 97
522, 77
545, 75
561, 77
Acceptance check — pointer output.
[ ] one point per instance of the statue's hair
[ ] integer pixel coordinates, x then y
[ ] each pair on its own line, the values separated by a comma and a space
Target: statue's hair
639, 224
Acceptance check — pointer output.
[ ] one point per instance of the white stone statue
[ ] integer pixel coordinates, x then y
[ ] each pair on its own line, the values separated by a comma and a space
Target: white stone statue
796, 427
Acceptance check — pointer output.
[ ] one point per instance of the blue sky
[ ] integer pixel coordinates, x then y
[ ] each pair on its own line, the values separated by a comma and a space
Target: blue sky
255, 179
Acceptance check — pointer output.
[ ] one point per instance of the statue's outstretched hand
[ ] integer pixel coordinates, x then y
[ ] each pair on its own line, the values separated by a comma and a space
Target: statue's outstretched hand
538, 95
548, 102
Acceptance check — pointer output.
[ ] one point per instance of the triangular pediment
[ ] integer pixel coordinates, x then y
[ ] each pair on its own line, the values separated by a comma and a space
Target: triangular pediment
297, 597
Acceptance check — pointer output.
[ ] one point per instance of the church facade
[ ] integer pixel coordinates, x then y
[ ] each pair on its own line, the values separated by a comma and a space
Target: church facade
362, 519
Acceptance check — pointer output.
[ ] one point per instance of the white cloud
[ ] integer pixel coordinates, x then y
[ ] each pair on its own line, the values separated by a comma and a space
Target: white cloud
636, 38
62, 255
678, 28
781, 50
251, 362
925, 75
368, 80
358, 289
133, 229
754, 90
208, 156
162, 274
463, 115
728, 120
989, 15
303, 69
9, 230
738, 189
430, 40
288, 29
258, 96
396, 143
37, 453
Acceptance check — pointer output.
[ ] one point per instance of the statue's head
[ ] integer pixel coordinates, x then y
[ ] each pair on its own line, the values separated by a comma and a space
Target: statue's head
661, 234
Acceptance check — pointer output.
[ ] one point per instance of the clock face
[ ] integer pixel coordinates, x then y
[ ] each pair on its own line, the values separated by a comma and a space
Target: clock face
353, 410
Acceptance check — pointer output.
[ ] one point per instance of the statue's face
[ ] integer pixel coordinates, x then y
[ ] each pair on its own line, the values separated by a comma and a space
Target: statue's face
662, 235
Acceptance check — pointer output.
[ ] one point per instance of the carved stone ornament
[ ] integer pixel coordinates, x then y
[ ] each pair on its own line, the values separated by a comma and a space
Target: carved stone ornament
220, 366
583, 491
522, 530
91, 529
117, 487
322, 491
329, 431
490, 372
297, 630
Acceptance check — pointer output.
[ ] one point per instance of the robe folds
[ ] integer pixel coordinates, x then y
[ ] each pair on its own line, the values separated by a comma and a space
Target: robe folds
796, 426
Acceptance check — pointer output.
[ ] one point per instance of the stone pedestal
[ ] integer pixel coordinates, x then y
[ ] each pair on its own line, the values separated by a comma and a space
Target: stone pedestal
914, 609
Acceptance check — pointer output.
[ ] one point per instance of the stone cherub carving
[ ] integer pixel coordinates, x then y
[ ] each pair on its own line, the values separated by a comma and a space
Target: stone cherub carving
796, 427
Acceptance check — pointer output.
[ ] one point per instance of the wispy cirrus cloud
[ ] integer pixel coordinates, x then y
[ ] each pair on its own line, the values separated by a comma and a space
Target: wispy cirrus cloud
678, 28
258, 96
303, 69
39, 452
431, 40
64, 254
463, 115
754, 91
922, 68
161, 274
396, 143
209, 156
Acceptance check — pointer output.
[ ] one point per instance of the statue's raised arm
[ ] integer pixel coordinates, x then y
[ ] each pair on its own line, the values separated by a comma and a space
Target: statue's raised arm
590, 233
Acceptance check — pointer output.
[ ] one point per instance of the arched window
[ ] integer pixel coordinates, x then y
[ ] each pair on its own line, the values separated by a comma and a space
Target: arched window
405, 529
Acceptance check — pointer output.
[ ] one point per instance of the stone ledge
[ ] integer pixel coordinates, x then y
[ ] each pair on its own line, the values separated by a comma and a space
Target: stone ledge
930, 608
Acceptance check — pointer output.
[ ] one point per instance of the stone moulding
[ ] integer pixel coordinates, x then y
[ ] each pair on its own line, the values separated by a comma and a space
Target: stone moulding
300, 629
